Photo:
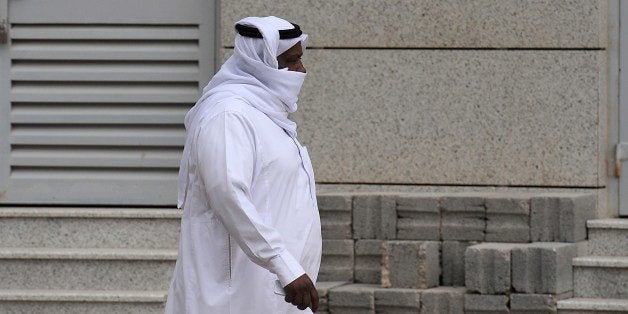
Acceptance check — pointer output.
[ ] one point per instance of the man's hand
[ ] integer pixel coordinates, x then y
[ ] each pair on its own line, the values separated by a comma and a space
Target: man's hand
302, 293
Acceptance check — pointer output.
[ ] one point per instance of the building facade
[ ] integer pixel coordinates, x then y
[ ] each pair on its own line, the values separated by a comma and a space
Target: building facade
463, 132
467, 95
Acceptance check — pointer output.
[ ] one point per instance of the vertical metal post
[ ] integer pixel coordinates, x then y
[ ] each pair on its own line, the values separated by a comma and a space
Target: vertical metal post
4, 21
5, 102
623, 108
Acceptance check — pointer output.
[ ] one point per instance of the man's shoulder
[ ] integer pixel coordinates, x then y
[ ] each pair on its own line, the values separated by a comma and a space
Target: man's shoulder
233, 109
234, 106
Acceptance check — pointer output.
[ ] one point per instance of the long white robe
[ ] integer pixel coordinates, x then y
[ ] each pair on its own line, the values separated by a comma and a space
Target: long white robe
250, 216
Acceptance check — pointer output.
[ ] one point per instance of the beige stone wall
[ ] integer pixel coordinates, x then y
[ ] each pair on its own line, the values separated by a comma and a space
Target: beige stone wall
482, 92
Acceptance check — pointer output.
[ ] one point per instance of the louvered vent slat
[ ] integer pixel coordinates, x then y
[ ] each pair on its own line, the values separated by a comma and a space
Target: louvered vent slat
97, 135
104, 71
158, 92
103, 113
104, 50
73, 156
100, 103
52, 174
104, 32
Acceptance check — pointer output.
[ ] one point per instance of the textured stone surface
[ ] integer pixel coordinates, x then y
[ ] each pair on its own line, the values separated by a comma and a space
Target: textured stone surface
534, 303
429, 189
374, 217
543, 268
94, 228
26, 307
487, 268
507, 219
352, 299
597, 306
560, 217
608, 237
66, 274
323, 287
418, 217
461, 116
334, 201
388, 217
463, 217
104, 296
396, 23
601, 277
479, 303
582, 248
452, 257
335, 212
443, 300
410, 264
368, 261
397, 301
366, 217
337, 261
81, 301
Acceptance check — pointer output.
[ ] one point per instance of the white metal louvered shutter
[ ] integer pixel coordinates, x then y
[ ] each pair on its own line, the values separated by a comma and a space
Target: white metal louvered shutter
97, 102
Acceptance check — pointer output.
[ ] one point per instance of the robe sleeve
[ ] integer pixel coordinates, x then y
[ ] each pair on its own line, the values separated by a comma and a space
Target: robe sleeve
226, 161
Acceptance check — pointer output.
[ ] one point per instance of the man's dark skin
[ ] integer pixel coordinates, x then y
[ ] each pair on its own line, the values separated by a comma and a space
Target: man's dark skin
291, 59
300, 292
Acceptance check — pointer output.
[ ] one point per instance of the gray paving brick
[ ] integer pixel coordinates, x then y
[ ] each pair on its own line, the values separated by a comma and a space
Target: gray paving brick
388, 217
334, 201
337, 261
335, 212
374, 217
452, 258
397, 301
418, 217
561, 217
368, 261
482, 303
543, 267
323, 287
443, 300
410, 264
508, 219
487, 268
366, 217
352, 299
463, 218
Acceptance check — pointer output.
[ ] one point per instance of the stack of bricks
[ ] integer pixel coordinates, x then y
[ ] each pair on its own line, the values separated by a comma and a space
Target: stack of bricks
528, 276
450, 252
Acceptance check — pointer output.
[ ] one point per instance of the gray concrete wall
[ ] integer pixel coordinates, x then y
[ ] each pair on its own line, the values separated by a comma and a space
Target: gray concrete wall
483, 92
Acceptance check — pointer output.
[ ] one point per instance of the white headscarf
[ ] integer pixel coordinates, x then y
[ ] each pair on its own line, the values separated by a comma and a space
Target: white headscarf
250, 74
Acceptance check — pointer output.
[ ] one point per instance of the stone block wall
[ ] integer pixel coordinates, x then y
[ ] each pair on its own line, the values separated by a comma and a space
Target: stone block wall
497, 92
450, 261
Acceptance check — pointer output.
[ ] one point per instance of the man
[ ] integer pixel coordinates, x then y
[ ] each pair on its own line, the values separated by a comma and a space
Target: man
250, 233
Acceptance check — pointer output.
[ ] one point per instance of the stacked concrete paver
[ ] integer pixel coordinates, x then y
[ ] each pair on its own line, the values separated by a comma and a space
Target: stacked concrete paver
451, 252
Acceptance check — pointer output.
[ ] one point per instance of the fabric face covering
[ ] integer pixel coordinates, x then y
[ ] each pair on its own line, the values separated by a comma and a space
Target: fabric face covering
251, 74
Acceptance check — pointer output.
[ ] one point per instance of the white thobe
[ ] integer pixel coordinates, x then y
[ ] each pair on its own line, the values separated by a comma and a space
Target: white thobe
250, 217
